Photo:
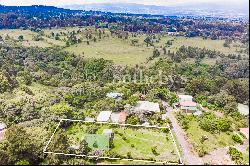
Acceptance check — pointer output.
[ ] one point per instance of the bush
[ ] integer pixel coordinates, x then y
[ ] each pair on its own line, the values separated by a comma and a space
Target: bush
129, 155
153, 149
237, 138
165, 130
124, 138
236, 155
152, 159
209, 122
133, 120
202, 152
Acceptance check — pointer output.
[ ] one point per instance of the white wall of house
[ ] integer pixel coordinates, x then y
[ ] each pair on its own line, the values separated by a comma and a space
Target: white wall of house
192, 108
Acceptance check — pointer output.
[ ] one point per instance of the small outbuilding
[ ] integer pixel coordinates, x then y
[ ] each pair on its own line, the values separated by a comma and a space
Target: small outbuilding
114, 95
109, 133
89, 119
104, 116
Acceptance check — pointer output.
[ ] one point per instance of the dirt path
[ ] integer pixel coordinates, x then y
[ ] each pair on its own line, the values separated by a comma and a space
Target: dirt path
220, 156
188, 157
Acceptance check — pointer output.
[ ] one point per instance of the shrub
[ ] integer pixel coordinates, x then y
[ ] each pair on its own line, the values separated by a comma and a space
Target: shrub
152, 159
165, 130
124, 138
201, 151
236, 155
129, 155
237, 138
153, 149
133, 120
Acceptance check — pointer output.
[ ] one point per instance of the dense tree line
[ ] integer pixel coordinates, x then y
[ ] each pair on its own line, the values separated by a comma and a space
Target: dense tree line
35, 17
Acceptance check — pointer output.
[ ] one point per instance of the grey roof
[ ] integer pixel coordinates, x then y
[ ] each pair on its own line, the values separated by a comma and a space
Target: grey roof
104, 116
89, 119
147, 106
115, 117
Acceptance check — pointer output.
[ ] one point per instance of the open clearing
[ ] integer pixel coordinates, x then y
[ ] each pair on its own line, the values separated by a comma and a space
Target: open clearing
128, 143
121, 51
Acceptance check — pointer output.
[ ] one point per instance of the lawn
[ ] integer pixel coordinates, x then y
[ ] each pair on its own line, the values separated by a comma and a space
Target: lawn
136, 143
121, 52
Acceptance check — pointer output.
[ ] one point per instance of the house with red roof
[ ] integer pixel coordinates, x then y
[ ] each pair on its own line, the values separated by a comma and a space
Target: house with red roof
188, 106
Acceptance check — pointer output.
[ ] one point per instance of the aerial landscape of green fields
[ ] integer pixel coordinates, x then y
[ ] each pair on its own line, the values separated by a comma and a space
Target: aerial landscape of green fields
131, 83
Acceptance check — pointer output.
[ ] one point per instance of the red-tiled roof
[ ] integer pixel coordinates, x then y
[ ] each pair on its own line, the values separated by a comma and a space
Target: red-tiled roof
188, 104
122, 117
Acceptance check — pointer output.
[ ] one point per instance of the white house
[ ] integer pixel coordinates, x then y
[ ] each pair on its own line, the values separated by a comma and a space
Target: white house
183, 98
104, 116
147, 107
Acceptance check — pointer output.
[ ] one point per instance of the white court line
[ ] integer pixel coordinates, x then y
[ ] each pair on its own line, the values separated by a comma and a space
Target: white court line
111, 158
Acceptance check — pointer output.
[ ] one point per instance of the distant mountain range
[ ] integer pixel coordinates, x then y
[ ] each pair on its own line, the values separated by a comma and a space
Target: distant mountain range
190, 9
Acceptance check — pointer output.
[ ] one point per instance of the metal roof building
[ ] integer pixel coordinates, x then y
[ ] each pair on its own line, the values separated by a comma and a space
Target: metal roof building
146, 106
104, 116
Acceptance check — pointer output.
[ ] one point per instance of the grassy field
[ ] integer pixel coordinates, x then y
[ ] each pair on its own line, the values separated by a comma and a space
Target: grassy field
213, 142
138, 142
121, 51
113, 49
246, 156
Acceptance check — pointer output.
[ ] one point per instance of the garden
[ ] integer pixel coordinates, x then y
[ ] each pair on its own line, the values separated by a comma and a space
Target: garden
127, 142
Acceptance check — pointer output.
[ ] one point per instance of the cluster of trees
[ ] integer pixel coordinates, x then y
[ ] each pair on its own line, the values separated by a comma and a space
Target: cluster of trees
209, 122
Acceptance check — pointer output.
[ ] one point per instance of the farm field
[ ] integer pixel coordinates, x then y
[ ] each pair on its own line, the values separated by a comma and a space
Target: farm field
121, 51
128, 142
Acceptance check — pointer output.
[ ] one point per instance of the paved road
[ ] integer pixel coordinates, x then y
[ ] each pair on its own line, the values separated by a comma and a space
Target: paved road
188, 157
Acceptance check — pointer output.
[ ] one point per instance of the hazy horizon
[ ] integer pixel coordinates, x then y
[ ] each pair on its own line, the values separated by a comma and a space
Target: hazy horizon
61, 3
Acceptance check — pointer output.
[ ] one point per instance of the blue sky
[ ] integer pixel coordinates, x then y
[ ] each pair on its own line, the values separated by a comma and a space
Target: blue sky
146, 2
